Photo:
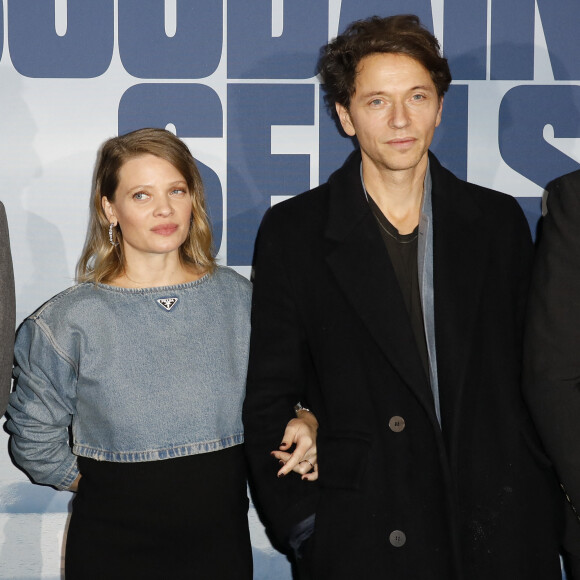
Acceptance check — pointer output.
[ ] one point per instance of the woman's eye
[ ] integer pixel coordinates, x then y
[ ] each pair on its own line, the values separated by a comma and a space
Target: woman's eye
178, 192
140, 195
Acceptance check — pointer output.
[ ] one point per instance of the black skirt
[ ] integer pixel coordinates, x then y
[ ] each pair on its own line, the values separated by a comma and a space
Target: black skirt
160, 520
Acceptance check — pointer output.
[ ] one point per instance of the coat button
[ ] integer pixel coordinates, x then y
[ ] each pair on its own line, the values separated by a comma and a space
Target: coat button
397, 538
396, 424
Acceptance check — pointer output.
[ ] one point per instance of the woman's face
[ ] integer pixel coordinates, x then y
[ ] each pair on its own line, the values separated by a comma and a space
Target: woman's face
152, 207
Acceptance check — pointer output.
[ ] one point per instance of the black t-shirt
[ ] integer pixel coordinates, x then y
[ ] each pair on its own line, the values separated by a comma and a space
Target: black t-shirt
402, 249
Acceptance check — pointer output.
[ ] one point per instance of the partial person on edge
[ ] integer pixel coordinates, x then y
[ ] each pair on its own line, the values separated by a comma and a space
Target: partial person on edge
552, 347
7, 312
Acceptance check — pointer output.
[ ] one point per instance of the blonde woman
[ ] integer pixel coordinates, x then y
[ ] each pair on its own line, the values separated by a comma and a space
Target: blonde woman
144, 361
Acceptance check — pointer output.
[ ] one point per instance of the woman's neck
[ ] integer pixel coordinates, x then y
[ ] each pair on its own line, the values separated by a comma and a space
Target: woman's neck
158, 273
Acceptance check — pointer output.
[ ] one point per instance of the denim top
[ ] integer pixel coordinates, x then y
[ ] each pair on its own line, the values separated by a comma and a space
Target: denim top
141, 374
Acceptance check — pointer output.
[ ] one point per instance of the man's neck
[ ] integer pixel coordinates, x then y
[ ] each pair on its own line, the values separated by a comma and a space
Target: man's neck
398, 194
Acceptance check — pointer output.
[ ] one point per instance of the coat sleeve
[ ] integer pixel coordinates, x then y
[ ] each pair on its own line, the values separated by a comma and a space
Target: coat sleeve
7, 312
552, 343
278, 374
41, 409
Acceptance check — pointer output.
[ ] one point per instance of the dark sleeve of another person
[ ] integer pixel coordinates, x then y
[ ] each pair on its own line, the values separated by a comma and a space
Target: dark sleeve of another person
7, 312
552, 347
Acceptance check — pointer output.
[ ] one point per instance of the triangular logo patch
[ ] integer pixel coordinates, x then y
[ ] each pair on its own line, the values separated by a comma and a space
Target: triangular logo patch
167, 303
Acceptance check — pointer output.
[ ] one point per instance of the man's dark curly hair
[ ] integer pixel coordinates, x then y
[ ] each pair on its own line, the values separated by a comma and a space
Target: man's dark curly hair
401, 34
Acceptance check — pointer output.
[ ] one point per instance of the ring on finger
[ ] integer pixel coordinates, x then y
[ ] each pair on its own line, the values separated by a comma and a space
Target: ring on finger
311, 466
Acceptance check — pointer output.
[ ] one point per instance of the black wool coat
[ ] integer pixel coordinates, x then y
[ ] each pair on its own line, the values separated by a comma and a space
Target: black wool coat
330, 329
552, 346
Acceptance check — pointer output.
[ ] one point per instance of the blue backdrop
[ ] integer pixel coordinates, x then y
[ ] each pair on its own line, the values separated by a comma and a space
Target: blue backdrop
235, 80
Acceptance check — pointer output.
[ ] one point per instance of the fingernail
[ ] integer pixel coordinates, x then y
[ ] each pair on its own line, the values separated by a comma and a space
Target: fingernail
281, 474
280, 462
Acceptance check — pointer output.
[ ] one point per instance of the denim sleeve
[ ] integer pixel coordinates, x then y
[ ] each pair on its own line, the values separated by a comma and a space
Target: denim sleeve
41, 408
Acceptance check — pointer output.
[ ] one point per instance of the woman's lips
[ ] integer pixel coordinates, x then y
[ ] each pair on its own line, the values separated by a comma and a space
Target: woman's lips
165, 229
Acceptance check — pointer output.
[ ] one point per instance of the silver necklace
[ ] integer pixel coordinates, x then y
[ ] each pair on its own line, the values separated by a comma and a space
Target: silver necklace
396, 238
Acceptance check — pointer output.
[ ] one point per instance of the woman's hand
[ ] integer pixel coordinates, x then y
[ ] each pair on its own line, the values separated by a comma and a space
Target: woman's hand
75, 484
300, 432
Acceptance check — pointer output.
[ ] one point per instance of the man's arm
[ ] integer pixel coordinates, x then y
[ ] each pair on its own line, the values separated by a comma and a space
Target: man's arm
552, 345
7, 312
278, 376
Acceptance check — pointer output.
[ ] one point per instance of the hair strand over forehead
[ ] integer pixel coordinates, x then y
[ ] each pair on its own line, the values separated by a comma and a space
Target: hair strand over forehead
400, 34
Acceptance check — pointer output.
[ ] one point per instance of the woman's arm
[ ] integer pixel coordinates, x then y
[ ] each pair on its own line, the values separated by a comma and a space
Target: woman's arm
41, 409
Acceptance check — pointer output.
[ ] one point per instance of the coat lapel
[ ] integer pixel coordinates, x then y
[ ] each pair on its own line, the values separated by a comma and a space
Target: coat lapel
459, 264
360, 263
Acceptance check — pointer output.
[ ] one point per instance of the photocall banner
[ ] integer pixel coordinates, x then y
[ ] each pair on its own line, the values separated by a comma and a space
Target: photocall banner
236, 80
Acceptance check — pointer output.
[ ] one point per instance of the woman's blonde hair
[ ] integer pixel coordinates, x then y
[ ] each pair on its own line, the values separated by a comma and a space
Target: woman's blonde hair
100, 261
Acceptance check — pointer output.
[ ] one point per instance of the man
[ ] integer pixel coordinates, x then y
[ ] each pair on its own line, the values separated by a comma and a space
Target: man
7, 312
390, 301
552, 346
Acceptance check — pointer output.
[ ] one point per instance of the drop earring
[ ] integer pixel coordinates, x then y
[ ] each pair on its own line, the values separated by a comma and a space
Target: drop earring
113, 243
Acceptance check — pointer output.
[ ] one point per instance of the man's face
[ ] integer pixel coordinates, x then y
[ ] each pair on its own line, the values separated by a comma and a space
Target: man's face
393, 112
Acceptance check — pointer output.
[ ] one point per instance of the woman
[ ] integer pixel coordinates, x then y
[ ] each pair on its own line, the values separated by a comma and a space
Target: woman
146, 360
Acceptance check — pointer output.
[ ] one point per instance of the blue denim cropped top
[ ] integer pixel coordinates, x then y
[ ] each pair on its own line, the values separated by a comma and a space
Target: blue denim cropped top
139, 375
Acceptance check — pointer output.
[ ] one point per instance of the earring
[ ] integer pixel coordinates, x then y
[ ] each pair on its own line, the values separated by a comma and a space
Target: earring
113, 243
